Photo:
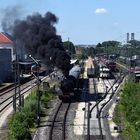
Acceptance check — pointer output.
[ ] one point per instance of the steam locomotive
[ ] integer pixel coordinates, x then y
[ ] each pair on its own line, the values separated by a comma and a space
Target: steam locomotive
70, 83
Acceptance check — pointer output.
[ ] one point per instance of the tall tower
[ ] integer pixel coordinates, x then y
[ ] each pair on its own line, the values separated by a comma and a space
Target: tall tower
132, 36
127, 38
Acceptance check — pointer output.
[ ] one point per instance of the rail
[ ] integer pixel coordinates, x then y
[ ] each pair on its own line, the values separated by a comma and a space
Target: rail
63, 133
28, 87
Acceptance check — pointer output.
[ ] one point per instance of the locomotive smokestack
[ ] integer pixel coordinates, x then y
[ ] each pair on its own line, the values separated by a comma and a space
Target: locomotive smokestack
37, 34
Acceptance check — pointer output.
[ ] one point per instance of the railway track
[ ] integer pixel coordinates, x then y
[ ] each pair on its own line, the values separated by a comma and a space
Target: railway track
89, 112
111, 96
7, 96
89, 135
99, 106
12, 87
6, 89
58, 126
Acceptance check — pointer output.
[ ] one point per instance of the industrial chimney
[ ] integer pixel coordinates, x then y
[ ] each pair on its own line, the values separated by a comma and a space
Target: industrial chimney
127, 39
132, 36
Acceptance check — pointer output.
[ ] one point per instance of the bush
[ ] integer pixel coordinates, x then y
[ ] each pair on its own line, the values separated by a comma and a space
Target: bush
21, 122
130, 107
30, 103
19, 127
47, 96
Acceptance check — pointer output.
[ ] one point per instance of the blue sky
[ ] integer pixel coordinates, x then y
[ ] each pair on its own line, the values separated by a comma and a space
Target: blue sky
87, 21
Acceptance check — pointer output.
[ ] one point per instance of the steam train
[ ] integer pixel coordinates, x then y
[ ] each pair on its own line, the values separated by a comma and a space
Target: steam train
70, 83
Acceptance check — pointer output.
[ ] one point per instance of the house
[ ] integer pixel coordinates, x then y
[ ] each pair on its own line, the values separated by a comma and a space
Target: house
78, 50
8, 53
6, 57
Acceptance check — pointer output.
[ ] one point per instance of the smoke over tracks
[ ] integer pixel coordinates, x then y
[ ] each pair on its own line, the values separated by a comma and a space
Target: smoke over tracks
36, 35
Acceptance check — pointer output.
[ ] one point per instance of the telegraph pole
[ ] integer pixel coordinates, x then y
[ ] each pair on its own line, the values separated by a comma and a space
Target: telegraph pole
129, 57
37, 93
16, 83
38, 96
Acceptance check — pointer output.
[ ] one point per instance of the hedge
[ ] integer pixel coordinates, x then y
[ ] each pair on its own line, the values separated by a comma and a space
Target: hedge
21, 122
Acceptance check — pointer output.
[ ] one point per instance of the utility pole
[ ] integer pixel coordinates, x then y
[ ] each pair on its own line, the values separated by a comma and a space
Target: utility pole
37, 92
38, 96
17, 83
129, 57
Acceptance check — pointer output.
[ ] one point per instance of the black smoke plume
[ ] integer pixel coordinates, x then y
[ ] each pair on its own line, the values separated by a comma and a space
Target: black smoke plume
9, 15
37, 34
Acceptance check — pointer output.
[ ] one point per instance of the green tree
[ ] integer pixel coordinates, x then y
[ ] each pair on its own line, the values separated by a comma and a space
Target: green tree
69, 47
98, 45
135, 43
110, 47
135, 47
91, 51
110, 43
99, 49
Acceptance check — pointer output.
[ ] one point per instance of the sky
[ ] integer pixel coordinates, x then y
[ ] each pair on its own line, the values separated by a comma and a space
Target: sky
85, 21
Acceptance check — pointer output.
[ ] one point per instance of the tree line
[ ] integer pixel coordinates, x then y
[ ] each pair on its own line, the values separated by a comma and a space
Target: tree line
106, 47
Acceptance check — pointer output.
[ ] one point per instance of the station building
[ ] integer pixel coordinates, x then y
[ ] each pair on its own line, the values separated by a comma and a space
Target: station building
6, 57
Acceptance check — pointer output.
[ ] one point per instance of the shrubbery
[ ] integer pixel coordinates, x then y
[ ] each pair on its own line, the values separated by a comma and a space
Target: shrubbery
19, 127
130, 108
47, 96
21, 122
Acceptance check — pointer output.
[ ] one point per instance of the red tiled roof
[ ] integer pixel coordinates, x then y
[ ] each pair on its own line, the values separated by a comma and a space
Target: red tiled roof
4, 39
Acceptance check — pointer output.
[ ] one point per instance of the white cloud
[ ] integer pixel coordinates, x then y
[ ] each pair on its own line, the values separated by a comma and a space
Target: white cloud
100, 11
